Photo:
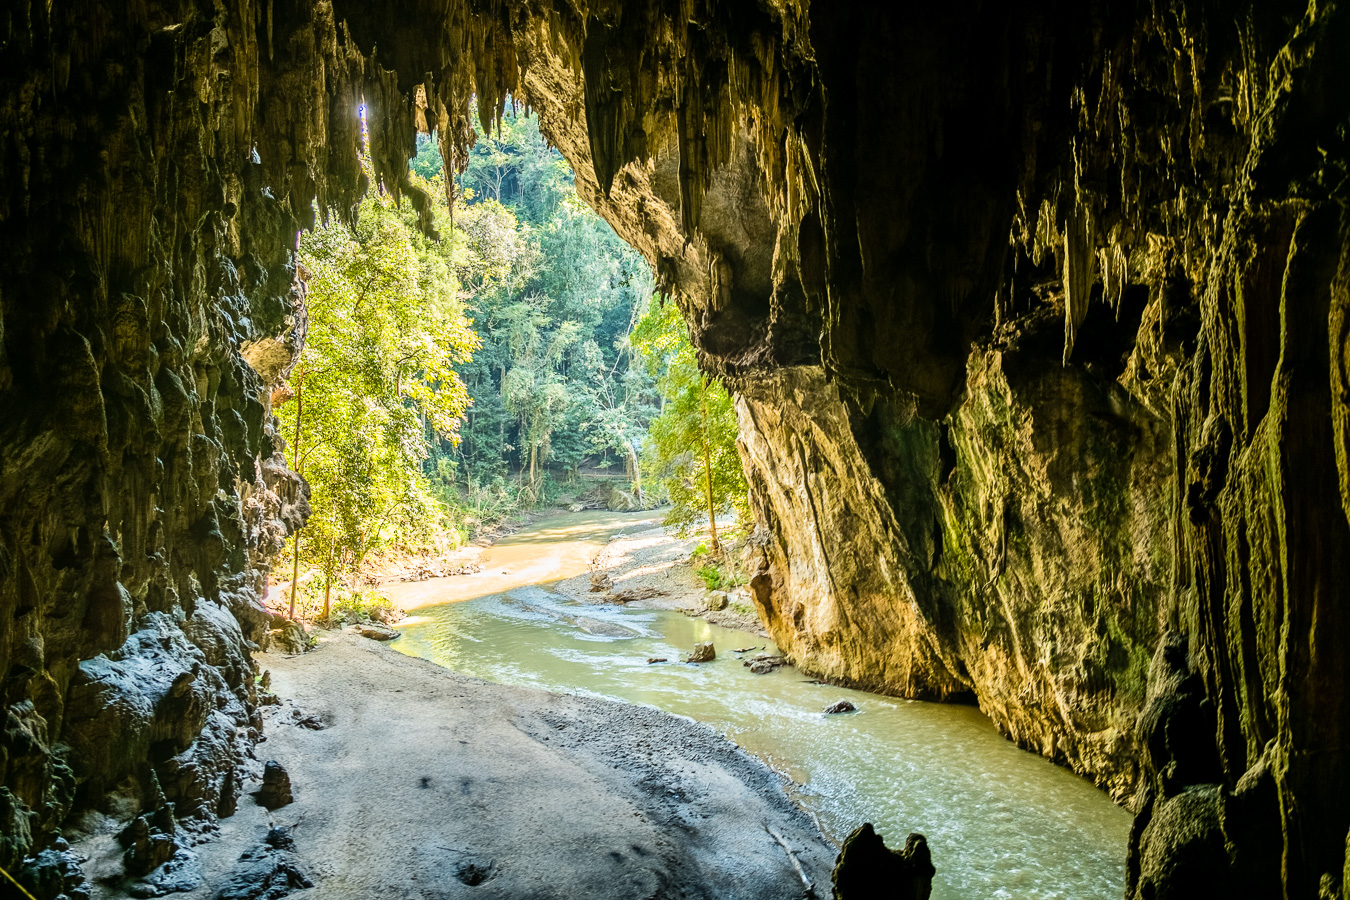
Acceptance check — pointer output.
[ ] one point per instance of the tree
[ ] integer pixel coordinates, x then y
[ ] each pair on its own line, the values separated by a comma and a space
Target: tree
554, 294
692, 445
375, 381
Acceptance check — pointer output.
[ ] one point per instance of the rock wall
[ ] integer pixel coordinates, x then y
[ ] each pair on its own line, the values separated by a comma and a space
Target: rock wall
148, 302
1036, 316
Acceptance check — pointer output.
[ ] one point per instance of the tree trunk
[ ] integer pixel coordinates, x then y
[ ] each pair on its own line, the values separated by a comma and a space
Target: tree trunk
328, 579
295, 573
299, 411
534, 454
714, 545
634, 470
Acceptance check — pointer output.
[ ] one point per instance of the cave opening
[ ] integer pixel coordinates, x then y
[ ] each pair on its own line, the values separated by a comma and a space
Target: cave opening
1033, 327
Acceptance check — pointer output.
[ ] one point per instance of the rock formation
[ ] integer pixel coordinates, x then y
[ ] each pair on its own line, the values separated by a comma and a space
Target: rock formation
1036, 316
868, 868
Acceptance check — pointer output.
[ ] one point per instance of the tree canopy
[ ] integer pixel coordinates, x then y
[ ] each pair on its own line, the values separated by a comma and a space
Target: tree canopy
692, 444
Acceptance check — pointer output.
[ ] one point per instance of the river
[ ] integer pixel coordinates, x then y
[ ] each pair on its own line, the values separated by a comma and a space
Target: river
1001, 823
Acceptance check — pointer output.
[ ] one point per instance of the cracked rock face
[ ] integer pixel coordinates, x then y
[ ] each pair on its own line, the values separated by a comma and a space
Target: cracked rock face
142, 488
1036, 318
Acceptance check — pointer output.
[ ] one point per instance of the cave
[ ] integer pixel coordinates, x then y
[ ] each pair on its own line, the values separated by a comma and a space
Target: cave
1035, 315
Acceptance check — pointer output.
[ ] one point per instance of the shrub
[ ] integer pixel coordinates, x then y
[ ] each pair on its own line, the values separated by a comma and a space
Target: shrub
364, 606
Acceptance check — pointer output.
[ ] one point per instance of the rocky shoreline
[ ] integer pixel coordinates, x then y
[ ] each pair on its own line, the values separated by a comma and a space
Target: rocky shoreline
648, 567
412, 781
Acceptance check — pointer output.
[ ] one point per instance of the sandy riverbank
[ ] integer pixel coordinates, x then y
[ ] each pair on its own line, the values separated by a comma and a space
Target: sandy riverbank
646, 556
563, 550
421, 781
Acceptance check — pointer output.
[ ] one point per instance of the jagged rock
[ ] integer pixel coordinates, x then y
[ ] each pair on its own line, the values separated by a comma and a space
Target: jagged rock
276, 786
53, 873
146, 848
703, 652
1067, 366
180, 873
717, 600
601, 582
267, 872
292, 637
838, 706
764, 663
868, 869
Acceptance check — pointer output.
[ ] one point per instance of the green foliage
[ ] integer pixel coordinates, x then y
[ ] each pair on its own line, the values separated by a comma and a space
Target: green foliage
719, 577
692, 445
710, 575
364, 606
553, 293
376, 382
446, 384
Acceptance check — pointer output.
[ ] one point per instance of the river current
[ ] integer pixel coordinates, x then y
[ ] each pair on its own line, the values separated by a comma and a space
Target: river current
1001, 823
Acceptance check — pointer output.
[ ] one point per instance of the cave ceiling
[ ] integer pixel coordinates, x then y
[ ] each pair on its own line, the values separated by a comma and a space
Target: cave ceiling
1035, 313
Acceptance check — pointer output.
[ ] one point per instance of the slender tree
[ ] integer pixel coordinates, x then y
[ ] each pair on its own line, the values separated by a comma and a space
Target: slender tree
692, 445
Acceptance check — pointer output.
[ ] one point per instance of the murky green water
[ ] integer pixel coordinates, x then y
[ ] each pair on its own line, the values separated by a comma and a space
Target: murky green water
1000, 822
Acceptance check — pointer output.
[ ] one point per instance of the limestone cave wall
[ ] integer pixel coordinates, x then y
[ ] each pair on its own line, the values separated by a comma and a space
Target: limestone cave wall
1035, 314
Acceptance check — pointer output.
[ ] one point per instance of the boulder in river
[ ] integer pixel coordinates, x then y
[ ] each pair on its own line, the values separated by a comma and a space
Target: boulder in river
703, 652
867, 868
765, 663
838, 706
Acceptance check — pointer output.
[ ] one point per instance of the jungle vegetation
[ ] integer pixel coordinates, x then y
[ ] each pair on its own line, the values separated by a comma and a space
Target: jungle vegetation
520, 361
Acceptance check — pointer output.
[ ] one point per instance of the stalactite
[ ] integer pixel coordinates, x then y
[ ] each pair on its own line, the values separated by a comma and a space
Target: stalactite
871, 219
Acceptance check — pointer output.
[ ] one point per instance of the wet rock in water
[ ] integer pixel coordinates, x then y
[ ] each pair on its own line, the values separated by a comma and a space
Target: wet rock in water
376, 632
838, 706
764, 663
267, 872
630, 595
601, 582
867, 868
605, 629
717, 600
276, 786
703, 652
655, 659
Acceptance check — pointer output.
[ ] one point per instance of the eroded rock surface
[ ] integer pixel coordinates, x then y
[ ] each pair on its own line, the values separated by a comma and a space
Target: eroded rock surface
1036, 317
